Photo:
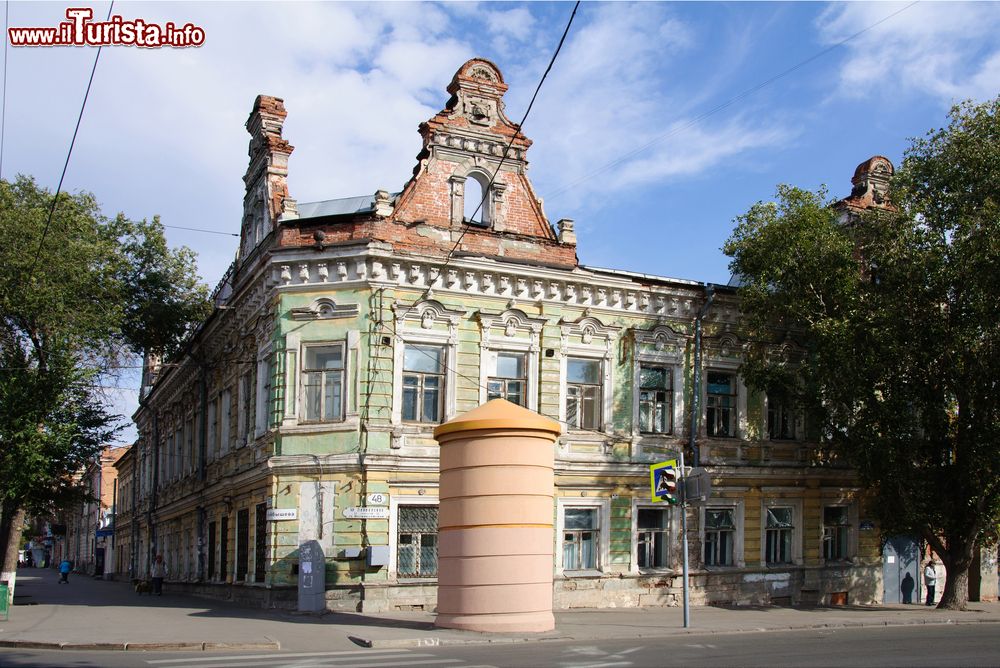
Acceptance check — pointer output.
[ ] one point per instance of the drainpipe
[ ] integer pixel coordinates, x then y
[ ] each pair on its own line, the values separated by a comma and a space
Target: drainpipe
696, 390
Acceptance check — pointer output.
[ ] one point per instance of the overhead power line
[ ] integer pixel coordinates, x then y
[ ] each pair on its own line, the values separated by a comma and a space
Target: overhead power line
69, 153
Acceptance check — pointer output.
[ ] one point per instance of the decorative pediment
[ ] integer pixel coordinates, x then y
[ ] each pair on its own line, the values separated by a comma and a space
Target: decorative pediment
661, 341
324, 309
587, 331
426, 315
510, 324
725, 345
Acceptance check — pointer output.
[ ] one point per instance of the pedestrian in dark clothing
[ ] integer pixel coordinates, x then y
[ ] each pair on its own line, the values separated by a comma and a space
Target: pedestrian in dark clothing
64, 569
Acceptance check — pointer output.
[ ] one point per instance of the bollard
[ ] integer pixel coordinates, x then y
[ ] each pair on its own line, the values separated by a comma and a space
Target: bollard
495, 520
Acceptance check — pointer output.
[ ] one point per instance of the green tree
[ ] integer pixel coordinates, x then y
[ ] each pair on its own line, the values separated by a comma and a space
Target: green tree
896, 318
80, 298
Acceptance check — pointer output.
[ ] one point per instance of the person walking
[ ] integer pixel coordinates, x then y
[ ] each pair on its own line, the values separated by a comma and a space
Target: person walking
64, 568
930, 579
158, 572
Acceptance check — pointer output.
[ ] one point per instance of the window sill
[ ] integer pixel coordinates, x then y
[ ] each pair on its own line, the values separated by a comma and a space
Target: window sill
586, 573
349, 424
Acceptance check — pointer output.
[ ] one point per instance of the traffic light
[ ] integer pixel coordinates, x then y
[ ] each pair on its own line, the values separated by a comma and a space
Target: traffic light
663, 481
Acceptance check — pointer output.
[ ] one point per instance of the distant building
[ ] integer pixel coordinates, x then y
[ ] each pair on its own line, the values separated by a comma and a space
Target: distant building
90, 525
346, 330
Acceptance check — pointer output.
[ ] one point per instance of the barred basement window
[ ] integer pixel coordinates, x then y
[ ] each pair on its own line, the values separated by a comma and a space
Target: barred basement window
242, 544
416, 554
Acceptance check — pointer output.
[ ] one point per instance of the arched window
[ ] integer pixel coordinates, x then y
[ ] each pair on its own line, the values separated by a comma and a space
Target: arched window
477, 201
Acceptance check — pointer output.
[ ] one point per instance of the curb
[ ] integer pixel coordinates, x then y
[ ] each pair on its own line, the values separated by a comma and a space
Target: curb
141, 646
437, 641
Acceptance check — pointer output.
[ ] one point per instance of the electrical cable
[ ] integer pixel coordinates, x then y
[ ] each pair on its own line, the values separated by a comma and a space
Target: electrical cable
79, 118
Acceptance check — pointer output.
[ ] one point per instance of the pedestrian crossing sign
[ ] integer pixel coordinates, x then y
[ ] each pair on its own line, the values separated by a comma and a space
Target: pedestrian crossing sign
663, 481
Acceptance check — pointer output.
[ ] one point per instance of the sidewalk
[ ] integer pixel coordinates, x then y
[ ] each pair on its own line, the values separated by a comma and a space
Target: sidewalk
95, 614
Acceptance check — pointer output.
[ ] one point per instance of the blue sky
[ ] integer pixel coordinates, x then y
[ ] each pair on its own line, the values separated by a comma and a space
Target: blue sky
163, 129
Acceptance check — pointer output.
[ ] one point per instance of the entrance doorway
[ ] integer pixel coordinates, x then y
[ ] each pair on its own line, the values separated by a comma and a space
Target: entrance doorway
901, 570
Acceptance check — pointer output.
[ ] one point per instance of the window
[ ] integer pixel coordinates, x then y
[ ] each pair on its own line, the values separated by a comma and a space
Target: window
423, 383
265, 370
652, 538
226, 419
416, 543
778, 536
242, 544
656, 400
720, 407
211, 550
323, 383
836, 533
477, 203
245, 408
780, 420
213, 430
581, 533
511, 379
720, 533
224, 549
583, 393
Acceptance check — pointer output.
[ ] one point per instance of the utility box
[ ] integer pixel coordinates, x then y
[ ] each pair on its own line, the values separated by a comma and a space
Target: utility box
312, 577
378, 555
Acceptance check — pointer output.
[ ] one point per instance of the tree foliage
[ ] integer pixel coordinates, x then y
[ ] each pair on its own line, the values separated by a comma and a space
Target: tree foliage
78, 300
896, 322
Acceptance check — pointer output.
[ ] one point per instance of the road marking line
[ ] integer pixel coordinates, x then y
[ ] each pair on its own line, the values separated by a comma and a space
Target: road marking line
330, 662
281, 655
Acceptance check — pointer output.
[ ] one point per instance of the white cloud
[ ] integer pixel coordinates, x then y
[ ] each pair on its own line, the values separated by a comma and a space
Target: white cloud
946, 50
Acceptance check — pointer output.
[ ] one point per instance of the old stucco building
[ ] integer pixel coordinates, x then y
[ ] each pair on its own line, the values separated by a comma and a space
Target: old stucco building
347, 329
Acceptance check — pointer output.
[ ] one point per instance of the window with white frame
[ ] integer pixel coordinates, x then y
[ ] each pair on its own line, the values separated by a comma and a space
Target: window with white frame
581, 536
416, 541
584, 399
780, 419
510, 381
423, 383
652, 536
265, 369
720, 404
225, 420
323, 383
656, 399
779, 533
836, 533
245, 408
719, 536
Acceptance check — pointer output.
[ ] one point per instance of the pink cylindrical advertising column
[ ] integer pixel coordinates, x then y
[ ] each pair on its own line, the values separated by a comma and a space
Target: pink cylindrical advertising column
495, 520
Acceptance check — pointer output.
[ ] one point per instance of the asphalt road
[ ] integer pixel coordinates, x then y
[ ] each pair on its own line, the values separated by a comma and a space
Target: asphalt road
924, 645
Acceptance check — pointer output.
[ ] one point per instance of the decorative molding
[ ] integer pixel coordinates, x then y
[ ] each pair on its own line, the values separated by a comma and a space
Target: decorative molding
324, 309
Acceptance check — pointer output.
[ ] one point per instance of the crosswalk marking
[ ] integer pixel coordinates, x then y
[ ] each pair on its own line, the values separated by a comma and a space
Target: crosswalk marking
273, 655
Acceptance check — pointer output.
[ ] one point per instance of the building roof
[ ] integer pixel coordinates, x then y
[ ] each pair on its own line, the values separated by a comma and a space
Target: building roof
338, 207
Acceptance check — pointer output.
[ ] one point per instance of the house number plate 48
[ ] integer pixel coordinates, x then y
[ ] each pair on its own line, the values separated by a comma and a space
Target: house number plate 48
377, 499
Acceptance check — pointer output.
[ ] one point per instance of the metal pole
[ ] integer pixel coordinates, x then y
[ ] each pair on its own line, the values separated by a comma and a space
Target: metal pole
684, 543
